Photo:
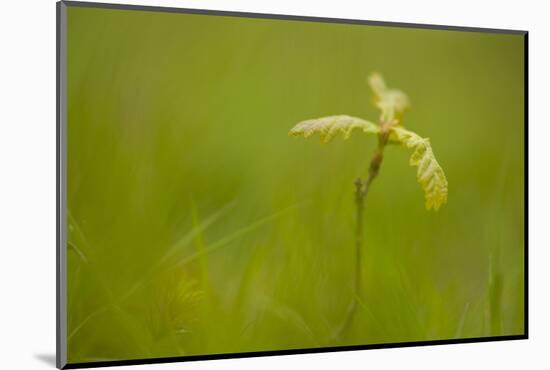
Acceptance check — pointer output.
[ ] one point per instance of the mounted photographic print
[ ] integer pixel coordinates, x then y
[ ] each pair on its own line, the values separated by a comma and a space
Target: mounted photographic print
234, 184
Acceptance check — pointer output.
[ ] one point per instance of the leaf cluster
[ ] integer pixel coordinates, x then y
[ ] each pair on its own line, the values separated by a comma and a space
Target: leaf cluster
392, 103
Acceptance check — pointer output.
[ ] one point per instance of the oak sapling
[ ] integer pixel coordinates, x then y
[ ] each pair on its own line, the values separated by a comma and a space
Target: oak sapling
389, 130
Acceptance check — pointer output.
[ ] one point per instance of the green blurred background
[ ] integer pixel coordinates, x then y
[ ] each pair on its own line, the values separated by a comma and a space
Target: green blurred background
198, 226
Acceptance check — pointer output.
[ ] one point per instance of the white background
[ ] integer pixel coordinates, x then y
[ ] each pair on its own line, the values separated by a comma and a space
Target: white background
27, 182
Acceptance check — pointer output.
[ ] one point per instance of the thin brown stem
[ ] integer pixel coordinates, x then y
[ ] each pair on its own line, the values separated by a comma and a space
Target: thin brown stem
361, 190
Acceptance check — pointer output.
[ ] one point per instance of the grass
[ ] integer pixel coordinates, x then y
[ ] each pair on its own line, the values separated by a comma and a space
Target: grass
198, 226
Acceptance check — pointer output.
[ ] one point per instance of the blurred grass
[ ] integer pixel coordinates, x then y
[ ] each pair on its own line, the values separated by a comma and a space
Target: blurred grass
198, 226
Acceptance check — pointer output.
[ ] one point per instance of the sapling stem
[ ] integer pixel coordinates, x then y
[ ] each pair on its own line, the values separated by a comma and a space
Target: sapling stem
361, 190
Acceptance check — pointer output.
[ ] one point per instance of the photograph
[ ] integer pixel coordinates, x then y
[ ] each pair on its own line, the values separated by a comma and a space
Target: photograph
240, 184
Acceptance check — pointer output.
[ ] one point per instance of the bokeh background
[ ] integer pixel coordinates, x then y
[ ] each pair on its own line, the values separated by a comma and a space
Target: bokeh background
198, 226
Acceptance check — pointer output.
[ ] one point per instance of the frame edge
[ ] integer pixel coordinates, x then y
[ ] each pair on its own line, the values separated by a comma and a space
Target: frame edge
287, 17
61, 270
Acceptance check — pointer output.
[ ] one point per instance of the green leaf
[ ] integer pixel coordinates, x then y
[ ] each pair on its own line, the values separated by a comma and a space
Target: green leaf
390, 101
329, 127
430, 175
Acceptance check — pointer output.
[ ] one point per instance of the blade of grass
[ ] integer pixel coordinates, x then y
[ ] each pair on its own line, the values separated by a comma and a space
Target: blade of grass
190, 236
495, 293
460, 326
74, 248
288, 314
234, 235
199, 244
381, 324
72, 222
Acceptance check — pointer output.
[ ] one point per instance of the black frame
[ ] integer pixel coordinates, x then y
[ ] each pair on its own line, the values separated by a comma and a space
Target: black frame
61, 361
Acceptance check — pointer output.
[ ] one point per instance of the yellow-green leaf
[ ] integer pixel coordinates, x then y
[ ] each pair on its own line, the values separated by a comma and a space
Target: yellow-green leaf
329, 127
389, 101
430, 175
